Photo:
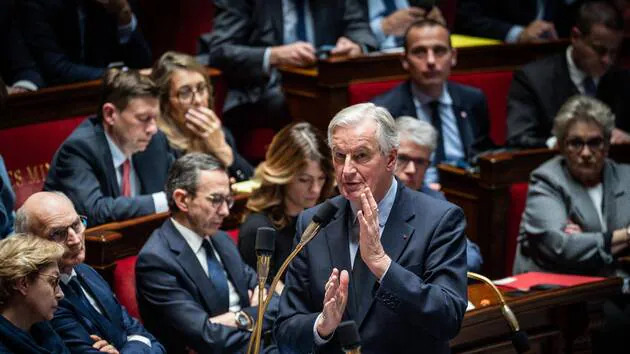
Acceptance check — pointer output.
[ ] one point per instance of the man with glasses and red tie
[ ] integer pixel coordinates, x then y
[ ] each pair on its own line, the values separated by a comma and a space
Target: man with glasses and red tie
586, 67
194, 291
113, 165
89, 319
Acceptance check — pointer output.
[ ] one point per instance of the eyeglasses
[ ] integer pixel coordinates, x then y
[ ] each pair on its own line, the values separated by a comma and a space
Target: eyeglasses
60, 234
186, 94
53, 280
218, 199
403, 160
576, 144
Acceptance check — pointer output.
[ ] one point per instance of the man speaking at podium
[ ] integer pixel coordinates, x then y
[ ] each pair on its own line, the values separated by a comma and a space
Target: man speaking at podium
391, 259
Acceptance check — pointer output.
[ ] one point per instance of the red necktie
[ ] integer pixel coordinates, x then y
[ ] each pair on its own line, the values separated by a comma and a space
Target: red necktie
126, 182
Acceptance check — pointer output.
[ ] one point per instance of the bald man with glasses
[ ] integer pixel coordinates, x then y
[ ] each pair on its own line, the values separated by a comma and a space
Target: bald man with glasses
89, 318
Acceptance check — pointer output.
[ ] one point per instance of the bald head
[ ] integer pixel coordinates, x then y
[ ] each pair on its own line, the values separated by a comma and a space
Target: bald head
38, 208
51, 215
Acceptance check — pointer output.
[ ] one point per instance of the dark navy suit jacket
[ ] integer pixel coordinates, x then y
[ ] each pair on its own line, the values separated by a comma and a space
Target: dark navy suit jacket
75, 326
41, 339
175, 297
469, 108
52, 30
82, 168
419, 305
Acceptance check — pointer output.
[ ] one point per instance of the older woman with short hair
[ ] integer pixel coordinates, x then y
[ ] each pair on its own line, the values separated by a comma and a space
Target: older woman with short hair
187, 118
577, 211
29, 294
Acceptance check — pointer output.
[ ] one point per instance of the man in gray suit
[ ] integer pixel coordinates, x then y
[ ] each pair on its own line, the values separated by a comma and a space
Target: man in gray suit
576, 217
251, 38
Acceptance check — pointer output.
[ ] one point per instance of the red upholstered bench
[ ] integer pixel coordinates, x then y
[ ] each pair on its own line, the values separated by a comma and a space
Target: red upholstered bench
494, 84
233, 234
518, 197
125, 284
28, 150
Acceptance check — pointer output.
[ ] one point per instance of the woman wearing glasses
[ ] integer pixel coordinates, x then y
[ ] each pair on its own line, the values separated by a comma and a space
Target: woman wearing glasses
29, 294
187, 118
297, 174
577, 213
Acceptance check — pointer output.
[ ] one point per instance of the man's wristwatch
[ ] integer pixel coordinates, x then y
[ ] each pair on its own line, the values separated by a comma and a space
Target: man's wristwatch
243, 320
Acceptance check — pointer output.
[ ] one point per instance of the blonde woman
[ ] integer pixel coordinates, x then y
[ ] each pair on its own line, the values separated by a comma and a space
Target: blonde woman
187, 117
297, 174
29, 295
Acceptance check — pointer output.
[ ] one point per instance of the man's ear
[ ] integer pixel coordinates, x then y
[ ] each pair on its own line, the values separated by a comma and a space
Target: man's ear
180, 197
575, 34
110, 113
391, 160
404, 62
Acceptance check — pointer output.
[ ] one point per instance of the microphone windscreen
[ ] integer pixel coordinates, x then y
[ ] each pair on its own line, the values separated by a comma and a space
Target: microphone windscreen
265, 240
325, 213
348, 335
520, 341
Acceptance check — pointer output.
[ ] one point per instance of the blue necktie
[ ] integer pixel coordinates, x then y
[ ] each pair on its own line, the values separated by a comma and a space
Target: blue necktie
301, 20
436, 121
589, 87
218, 278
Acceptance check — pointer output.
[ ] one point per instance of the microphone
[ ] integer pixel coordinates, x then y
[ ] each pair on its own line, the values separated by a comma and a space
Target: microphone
519, 338
265, 244
321, 218
349, 338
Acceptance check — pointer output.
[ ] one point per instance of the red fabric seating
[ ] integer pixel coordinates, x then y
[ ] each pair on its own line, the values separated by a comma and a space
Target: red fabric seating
518, 197
28, 150
125, 284
233, 234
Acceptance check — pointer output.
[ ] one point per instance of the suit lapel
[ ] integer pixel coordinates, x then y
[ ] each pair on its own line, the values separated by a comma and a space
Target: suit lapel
396, 235
613, 192
106, 159
104, 301
233, 267
407, 106
277, 18
188, 260
336, 233
463, 119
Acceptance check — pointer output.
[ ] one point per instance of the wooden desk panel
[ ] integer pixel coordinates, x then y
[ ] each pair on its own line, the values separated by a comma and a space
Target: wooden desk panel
555, 320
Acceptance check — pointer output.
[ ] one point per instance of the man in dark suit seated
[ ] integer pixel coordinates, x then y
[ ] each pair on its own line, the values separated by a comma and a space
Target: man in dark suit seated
89, 318
516, 20
391, 259
16, 65
587, 67
251, 38
458, 112
113, 166
418, 140
77, 40
194, 290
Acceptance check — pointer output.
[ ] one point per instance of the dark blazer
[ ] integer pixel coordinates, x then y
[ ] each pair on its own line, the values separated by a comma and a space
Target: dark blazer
75, 325
533, 102
51, 29
243, 29
494, 18
469, 108
41, 339
82, 168
16, 62
175, 297
554, 197
420, 304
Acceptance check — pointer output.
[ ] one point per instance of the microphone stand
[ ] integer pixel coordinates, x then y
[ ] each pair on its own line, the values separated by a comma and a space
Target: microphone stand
255, 339
519, 339
328, 210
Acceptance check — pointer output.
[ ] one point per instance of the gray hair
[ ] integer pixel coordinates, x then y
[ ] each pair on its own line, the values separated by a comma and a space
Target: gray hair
583, 108
184, 174
387, 135
418, 131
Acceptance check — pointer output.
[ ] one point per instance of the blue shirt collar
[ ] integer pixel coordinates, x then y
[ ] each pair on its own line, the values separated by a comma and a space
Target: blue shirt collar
117, 155
445, 97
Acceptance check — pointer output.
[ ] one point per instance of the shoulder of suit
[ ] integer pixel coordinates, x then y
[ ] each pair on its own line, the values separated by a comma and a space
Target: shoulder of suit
465, 89
545, 64
392, 96
551, 171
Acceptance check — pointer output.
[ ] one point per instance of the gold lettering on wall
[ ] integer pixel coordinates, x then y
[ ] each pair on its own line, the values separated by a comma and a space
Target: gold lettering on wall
31, 174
